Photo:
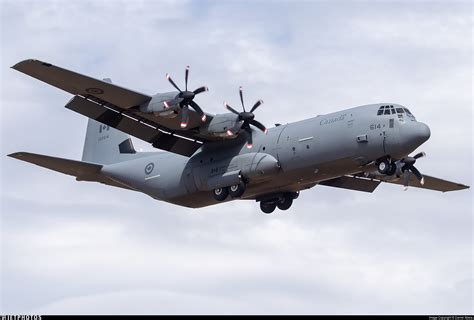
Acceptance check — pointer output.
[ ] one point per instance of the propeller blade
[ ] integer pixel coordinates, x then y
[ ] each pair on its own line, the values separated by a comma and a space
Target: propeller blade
200, 90
184, 117
406, 180
186, 75
260, 126
198, 109
256, 105
231, 109
249, 138
417, 174
172, 82
241, 98
419, 155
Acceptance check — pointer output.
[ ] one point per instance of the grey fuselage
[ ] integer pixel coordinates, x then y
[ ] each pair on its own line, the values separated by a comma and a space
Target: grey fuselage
289, 158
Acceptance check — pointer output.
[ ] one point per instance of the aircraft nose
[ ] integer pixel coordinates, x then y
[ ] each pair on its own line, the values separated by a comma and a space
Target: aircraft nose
423, 132
414, 134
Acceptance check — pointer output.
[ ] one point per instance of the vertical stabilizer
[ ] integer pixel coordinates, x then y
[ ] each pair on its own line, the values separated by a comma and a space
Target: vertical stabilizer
104, 144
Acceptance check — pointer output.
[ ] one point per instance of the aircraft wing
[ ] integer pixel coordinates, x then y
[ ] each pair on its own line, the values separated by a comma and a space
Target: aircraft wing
431, 183
79, 84
369, 182
118, 107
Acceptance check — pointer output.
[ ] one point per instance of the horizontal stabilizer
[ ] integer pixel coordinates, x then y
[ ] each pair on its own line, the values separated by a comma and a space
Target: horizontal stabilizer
81, 170
66, 166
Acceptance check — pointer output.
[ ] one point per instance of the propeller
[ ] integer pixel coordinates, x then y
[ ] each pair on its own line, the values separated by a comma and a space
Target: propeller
185, 99
245, 119
408, 166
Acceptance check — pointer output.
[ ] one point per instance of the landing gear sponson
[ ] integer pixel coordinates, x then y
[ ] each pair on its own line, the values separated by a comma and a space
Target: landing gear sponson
268, 204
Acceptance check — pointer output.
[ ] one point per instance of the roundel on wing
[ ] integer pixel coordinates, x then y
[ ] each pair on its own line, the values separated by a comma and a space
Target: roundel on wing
149, 168
94, 90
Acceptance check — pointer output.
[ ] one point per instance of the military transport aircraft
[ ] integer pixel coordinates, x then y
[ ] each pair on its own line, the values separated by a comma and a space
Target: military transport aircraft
215, 158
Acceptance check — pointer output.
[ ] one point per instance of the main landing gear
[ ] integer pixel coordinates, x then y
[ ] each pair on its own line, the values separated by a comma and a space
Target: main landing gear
283, 202
235, 191
268, 204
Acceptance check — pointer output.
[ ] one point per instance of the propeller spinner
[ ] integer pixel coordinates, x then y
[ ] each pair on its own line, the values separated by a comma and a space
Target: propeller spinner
185, 99
245, 119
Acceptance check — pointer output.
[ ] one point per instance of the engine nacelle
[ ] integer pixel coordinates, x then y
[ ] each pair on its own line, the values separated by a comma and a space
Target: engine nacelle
158, 108
219, 125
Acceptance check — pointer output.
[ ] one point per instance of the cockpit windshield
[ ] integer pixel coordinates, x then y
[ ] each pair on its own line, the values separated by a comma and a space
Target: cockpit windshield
390, 109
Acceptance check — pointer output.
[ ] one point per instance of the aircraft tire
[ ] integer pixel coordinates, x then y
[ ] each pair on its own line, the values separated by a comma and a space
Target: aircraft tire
285, 203
220, 194
267, 207
237, 190
383, 166
391, 171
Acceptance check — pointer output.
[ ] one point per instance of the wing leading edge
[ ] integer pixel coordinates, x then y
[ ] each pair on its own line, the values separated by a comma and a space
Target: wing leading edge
79, 84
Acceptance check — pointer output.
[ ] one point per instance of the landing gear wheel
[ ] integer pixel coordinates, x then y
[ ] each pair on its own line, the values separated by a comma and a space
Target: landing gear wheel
220, 194
267, 207
285, 203
393, 168
237, 190
383, 166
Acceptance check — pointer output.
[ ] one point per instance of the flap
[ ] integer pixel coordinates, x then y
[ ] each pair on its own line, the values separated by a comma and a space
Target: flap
352, 183
129, 123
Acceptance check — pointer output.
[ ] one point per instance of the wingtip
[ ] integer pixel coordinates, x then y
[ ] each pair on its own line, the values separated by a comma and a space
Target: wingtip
16, 155
18, 65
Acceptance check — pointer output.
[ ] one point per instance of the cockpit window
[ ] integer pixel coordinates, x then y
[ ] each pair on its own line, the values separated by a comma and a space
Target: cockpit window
407, 111
400, 110
383, 110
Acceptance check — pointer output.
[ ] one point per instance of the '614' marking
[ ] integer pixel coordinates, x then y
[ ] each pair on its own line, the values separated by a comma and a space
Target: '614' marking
377, 126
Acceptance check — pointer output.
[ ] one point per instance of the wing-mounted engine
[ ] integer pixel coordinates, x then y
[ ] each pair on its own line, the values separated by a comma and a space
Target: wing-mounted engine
219, 125
400, 170
230, 125
170, 104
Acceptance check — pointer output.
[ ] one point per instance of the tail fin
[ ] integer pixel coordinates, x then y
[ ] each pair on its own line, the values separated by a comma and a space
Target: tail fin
106, 145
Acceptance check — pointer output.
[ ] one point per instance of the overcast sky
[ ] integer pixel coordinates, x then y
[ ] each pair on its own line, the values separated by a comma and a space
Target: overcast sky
70, 247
